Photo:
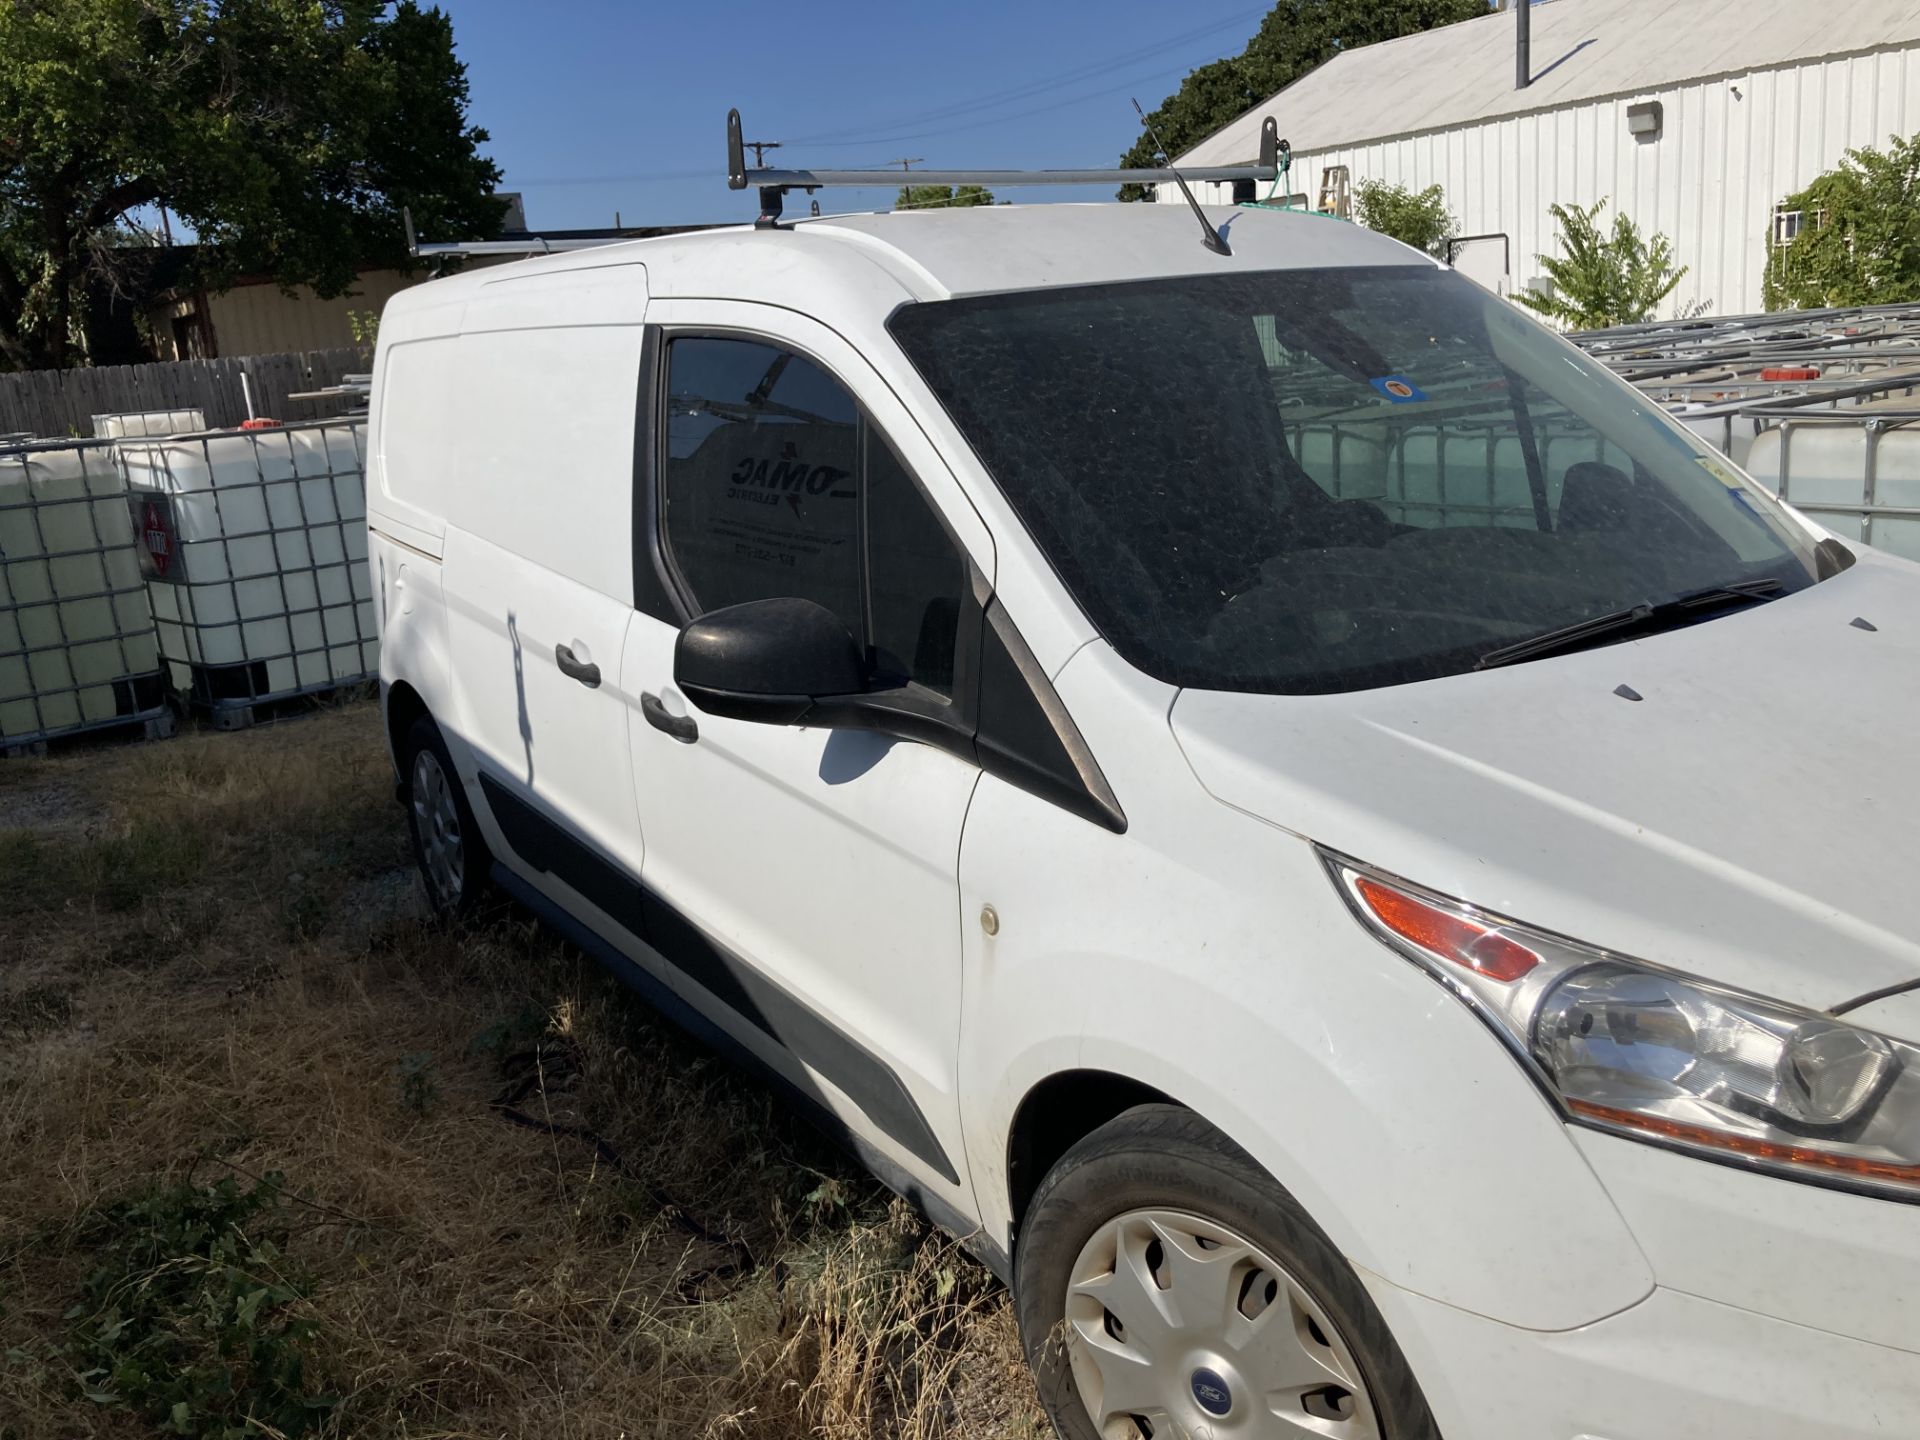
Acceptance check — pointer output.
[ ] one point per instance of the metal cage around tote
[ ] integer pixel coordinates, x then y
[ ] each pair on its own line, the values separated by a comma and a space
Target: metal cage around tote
78, 649
256, 556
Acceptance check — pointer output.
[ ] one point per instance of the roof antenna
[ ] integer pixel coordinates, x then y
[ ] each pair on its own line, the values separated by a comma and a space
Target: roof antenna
1210, 237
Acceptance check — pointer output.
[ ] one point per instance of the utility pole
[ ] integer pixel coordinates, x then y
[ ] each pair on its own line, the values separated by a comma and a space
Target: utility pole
759, 149
906, 168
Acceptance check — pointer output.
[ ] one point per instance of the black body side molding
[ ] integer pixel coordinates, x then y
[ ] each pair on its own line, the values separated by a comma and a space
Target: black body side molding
816, 1041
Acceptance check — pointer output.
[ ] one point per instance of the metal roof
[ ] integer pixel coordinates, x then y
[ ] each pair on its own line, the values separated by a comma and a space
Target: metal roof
1582, 50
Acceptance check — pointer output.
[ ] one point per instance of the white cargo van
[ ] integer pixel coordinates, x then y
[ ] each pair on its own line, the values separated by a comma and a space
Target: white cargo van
1368, 873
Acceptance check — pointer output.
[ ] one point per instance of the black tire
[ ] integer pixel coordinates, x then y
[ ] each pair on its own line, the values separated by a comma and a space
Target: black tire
472, 886
1160, 1157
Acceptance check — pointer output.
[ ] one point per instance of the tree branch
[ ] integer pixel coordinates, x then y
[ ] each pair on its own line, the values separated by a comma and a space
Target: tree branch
116, 200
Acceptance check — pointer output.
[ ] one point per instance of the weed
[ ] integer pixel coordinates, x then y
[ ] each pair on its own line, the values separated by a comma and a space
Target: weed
418, 1089
36, 1009
305, 910
655, 1247
192, 1317
828, 1200
498, 1037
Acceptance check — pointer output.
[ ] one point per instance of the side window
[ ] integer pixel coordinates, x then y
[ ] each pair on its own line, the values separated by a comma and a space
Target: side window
760, 491
915, 574
775, 484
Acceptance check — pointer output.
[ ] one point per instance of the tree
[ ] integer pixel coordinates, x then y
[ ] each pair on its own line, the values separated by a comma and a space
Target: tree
1421, 220
1297, 36
286, 134
1603, 280
942, 197
1859, 240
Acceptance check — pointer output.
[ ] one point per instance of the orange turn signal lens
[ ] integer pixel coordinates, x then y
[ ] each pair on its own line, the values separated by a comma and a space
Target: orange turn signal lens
1752, 1147
1468, 944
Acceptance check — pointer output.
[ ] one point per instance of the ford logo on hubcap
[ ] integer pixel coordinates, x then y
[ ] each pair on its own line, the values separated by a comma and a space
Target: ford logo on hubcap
1212, 1392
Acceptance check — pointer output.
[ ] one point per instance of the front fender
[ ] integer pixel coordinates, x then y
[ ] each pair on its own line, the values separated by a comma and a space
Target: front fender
1206, 954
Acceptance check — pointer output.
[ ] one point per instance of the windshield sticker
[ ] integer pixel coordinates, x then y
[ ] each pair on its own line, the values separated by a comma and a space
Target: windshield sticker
1712, 465
1736, 488
1398, 389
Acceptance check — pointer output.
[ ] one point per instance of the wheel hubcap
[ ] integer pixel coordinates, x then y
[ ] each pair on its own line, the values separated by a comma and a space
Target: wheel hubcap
1178, 1327
436, 821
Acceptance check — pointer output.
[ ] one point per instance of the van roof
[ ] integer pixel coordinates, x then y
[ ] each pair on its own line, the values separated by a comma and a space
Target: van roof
942, 253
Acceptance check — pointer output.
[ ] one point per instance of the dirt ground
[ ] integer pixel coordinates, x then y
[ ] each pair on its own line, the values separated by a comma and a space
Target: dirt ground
279, 1157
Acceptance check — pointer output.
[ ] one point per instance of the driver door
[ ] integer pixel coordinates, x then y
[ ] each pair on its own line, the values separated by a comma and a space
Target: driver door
805, 880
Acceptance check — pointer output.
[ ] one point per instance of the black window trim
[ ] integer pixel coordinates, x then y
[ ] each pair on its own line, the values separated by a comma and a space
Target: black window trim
1073, 781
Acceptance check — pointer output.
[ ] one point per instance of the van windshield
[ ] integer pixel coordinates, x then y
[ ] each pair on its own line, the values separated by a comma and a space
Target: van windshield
1306, 481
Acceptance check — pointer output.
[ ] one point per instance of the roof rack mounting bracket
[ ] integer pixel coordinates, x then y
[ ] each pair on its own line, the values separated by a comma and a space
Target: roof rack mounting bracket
771, 204
736, 153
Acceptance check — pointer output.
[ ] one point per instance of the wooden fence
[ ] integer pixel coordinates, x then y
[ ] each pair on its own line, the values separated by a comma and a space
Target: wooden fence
57, 403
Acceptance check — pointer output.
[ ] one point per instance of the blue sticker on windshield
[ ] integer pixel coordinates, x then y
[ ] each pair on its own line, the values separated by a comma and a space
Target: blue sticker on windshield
1398, 389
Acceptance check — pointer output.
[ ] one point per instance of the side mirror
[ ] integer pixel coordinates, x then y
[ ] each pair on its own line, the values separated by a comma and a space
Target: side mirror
767, 660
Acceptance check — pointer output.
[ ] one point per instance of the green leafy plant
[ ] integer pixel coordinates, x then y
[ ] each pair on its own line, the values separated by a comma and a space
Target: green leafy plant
193, 1318
364, 325
1417, 218
1859, 239
941, 197
1603, 279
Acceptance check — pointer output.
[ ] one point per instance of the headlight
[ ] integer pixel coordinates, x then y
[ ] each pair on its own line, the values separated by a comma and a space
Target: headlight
1649, 1053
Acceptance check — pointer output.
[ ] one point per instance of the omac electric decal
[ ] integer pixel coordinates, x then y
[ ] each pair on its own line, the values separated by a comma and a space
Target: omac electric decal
793, 520
762, 481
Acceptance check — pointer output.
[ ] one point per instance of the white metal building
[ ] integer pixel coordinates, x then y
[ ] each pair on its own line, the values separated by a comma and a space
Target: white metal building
1696, 117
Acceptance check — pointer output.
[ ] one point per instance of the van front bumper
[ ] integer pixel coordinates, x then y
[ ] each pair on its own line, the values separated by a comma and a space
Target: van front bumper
1673, 1367
1781, 1311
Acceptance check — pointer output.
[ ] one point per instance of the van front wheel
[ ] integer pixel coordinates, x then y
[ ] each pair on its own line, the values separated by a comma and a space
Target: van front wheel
1166, 1286
453, 859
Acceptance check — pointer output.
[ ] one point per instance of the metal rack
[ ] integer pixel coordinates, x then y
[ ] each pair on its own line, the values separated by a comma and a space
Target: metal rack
78, 648
1821, 406
774, 184
256, 562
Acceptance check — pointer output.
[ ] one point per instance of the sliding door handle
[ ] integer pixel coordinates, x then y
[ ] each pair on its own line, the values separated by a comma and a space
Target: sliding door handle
587, 673
680, 727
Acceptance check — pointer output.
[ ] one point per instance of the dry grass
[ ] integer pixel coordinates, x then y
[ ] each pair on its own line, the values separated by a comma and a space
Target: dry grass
213, 963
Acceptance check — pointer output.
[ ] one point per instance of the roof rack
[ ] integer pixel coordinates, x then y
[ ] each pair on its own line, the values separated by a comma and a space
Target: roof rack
522, 245
774, 184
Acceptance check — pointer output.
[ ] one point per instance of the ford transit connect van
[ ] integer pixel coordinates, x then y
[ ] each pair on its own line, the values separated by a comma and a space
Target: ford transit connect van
1368, 874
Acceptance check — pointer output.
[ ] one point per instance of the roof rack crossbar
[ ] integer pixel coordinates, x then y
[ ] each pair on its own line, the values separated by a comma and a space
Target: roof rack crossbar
532, 245
774, 183
525, 245
813, 179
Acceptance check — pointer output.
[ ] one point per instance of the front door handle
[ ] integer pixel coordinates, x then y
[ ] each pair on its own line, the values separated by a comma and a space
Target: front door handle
586, 673
680, 727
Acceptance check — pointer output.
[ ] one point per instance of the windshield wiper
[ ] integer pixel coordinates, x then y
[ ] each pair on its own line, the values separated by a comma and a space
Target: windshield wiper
1639, 619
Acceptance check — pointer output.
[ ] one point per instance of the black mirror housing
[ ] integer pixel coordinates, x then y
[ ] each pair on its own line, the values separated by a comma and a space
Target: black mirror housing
767, 660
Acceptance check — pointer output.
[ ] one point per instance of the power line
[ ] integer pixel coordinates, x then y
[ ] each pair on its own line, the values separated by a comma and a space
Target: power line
656, 176
838, 139
1052, 81
991, 121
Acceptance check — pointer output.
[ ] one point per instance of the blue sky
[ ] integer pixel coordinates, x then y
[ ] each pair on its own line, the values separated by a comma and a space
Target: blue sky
597, 106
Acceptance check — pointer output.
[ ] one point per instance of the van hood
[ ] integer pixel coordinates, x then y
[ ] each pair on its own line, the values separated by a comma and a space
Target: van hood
1752, 818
